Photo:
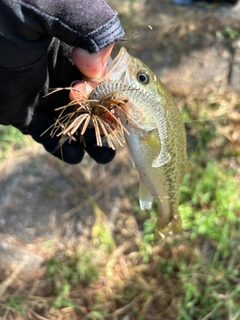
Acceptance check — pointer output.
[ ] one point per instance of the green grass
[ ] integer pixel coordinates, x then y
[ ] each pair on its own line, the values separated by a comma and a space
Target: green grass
10, 137
211, 203
67, 271
210, 211
16, 303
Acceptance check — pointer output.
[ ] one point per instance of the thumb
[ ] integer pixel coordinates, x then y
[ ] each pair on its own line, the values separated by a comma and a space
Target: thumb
92, 65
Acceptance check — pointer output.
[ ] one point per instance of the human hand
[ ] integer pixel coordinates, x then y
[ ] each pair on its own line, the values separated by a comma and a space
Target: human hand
92, 66
37, 39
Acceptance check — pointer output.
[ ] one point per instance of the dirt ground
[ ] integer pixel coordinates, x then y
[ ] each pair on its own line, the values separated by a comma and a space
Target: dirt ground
42, 199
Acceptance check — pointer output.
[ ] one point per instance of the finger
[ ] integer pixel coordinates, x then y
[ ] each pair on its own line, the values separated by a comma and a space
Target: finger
92, 65
81, 90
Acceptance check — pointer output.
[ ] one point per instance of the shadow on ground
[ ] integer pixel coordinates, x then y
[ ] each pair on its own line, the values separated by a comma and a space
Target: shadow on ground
44, 199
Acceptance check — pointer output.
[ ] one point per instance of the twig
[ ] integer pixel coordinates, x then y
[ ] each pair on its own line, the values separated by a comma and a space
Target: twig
36, 315
212, 312
7, 282
125, 308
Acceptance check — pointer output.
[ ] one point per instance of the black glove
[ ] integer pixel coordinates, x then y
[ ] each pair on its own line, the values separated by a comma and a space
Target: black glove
36, 41
69, 152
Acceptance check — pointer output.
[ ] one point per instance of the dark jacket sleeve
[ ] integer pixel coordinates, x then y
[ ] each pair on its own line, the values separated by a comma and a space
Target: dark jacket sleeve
36, 40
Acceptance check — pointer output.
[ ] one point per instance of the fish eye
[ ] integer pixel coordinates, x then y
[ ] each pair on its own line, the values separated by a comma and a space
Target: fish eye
143, 77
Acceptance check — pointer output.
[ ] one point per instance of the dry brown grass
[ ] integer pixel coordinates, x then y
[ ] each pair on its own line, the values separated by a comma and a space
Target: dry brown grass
126, 285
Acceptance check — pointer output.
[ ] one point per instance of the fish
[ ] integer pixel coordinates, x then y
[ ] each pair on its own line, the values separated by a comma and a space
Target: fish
155, 135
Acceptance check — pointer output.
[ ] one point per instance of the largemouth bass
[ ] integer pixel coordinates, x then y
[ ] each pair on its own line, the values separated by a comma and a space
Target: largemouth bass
156, 141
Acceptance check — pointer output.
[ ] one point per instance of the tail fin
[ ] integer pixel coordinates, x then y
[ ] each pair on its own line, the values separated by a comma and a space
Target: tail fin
166, 227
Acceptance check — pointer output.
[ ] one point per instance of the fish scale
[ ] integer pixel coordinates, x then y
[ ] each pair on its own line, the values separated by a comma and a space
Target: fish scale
136, 96
157, 139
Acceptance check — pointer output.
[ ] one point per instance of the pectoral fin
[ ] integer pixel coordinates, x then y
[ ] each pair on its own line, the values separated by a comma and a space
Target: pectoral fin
152, 138
162, 159
145, 198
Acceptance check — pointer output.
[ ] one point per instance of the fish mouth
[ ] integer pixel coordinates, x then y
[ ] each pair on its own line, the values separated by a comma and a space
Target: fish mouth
118, 69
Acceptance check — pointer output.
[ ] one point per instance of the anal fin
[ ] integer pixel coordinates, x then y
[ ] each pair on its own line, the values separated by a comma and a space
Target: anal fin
145, 197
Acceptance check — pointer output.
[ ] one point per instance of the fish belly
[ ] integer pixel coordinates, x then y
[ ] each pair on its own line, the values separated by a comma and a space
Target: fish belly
143, 149
155, 182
